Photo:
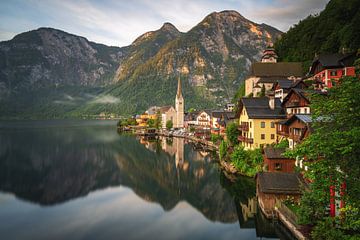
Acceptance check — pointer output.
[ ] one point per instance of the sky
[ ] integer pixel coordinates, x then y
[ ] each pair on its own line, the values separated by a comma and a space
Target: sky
120, 22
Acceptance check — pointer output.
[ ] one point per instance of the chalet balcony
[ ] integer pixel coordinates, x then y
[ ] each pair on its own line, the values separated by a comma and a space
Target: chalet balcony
282, 133
293, 104
245, 139
243, 127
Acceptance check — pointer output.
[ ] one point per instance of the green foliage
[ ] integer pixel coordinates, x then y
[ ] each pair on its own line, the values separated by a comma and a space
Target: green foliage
335, 28
169, 124
223, 148
248, 162
326, 229
215, 138
232, 133
151, 123
262, 92
334, 146
283, 144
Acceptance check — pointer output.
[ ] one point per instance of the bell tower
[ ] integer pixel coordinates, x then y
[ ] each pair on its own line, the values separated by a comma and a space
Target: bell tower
179, 107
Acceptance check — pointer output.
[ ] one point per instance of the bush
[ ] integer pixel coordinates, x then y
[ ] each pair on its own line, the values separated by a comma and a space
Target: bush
223, 149
283, 144
232, 133
169, 124
247, 162
215, 138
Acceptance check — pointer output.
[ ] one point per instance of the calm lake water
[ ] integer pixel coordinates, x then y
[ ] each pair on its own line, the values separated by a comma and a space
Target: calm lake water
82, 180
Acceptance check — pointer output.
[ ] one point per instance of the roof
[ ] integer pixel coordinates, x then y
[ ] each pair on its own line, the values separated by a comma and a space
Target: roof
259, 108
298, 91
279, 183
274, 153
164, 109
285, 83
281, 69
208, 112
217, 114
333, 60
305, 118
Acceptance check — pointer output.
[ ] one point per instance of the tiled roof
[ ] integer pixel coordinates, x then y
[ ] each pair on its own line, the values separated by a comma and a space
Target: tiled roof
272, 153
259, 108
279, 183
281, 69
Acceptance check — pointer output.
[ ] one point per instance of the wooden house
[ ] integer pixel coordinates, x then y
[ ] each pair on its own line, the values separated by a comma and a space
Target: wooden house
282, 87
275, 161
296, 102
273, 186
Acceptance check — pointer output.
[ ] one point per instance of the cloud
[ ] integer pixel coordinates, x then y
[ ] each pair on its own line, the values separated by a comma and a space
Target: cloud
119, 22
106, 99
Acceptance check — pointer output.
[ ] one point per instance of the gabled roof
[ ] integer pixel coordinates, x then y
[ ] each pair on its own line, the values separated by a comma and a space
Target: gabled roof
274, 153
279, 183
333, 60
164, 109
298, 91
258, 108
284, 83
281, 69
208, 112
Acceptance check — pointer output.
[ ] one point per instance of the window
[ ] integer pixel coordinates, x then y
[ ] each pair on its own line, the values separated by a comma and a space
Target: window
272, 136
262, 136
262, 124
250, 124
305, 110
278, 166
333, 73
272, 125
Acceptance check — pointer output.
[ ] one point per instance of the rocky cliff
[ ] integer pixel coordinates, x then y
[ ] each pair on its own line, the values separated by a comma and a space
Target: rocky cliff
61, 74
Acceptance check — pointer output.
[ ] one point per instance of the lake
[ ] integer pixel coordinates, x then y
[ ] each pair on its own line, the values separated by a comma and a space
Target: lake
83, 180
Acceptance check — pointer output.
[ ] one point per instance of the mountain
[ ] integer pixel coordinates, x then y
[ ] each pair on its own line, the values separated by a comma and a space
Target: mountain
48, 73
212, 59
334, 29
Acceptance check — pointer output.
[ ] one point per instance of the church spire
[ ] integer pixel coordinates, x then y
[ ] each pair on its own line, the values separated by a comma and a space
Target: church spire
179, 93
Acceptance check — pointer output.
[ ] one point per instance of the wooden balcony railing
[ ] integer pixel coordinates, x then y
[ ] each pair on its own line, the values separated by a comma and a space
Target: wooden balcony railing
245, 139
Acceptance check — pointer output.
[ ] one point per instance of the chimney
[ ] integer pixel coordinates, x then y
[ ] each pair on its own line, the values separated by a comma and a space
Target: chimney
272, 102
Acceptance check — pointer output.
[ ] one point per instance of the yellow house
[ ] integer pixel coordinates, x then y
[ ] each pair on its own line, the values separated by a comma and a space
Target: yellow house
257, 121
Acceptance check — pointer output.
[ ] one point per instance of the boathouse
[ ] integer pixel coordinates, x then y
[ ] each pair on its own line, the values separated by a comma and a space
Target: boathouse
271, 186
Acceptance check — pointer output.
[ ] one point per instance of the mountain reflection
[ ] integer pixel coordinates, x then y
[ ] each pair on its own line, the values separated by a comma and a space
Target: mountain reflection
53, 165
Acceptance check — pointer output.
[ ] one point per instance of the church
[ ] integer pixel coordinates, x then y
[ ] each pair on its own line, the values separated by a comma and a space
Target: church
176, 115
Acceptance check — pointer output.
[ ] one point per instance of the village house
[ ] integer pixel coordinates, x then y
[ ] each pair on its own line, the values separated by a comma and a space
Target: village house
226, 118
277, 186
326, 69
295, 129
203, 119
282, 87
257, 121
275, 161
267, 72
296, 102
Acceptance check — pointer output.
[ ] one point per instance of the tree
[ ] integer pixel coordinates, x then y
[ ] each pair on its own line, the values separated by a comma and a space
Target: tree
333, 152
151, 123
169, 124
262, 93
232, 133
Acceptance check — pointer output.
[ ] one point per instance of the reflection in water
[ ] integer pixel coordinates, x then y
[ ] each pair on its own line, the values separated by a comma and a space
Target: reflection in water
51, 165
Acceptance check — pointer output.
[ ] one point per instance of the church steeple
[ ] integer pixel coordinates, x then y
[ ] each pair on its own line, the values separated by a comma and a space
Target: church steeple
179, 93
179, 107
